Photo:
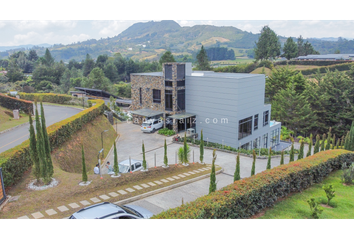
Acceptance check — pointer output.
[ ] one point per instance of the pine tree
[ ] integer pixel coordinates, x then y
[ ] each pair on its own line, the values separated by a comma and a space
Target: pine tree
237, 170
328, 145
282, 157
144, 160
165, 159
301, 151
49, 163
316, 149
323, 142
202, 60
201, 147
185, 150
292, 153
84, 173
269, 159
115, 161
310, 146
268, 45
167, 57
41, 150
333, 141
290, 49
253, 170
33, 151
212, 186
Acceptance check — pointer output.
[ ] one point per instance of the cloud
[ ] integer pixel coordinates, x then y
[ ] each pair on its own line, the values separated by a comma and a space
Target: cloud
112, 28
41, 25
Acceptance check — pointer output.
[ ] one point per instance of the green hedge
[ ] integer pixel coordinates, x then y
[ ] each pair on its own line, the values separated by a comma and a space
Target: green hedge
248, 196
240, 68
14, 103
46, 97
16, 161
339, 67
311, 63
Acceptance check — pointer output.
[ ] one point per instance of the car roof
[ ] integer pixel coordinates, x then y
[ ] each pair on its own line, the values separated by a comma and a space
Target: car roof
126, 162
99, 210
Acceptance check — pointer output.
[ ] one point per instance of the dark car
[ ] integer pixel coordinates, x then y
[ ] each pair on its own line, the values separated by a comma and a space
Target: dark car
108, 210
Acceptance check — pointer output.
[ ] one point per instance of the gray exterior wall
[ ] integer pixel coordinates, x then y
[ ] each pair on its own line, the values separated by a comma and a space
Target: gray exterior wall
220, 102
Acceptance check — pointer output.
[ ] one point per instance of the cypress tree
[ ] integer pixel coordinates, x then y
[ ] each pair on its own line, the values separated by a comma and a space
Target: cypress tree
165, 159
41, 150
115, 161
282, 157
333, 141
212, 186
237, 170
84, 173
341, 145
185, 150
253, 170
292, 153
144, 160
338, 142
351, 138
201, 147
269, 159
328, 145
49, 163
33, 151
310, 146
346, 143
316, 149
323, 142
301, 151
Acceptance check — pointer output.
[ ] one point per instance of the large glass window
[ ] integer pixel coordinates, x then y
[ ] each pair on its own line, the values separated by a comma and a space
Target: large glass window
168, 83
168, 71
265, 118
156, 96
168, 100
180, 71
181, 99
256, 122
244, 127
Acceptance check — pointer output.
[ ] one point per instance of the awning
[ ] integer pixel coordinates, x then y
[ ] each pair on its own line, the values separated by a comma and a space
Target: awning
146, 112
182, 115
124, 101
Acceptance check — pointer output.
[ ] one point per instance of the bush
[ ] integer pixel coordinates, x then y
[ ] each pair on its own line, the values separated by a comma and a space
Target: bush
348, 174
315, 209
46, 97
166, 132
14, 103
248, 196
330, 193
311, 63
181, 154
339, 67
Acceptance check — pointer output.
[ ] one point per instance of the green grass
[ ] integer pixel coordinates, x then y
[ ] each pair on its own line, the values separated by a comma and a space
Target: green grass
296, 206
6, 123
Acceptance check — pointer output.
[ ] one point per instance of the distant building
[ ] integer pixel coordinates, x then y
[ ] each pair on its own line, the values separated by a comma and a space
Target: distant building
327, 57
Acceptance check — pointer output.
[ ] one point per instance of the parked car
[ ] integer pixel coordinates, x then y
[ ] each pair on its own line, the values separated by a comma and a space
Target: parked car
108, 210
151, 125
136, 165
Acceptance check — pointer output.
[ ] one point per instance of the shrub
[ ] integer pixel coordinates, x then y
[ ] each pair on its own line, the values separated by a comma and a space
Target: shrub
246, 197
181, 153
46, 97
328, 188
348, 174
14, 103
315, 209
166, 132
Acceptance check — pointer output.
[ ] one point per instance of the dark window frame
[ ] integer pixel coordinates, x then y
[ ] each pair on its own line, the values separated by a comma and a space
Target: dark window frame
265, 118
181, 99
168, 83
255, 122
140, 96
181, 83
245, 127
168, 71
168, 100
156, 95
181, 71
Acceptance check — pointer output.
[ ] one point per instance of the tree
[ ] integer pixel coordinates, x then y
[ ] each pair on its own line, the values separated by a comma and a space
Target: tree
185, 151
237, 170
41, 150
201, 147
167, 57
291, 153
301, 151
269, 159
328, 145
84, 173
300, 46
323, 142
346, 142
33, 151
268, 45
49, 163
14, 72
115, 161
308, 49
212, 186
32, 55
310, 146
350, 139
111, 72
48, 60
202, 60
165, 159
333, 141
144, 160
338, 144
89, 64
316, 149
330, 192
96, 80
290, 49
253, 170
101, 61
282, 157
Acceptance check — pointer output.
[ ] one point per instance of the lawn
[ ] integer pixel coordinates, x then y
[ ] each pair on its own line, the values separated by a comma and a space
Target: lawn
7, 121
296, 206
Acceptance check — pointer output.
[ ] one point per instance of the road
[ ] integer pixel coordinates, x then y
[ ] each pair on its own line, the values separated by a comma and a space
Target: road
53, 114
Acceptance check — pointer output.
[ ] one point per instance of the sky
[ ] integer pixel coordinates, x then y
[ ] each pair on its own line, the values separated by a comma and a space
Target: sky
14, 33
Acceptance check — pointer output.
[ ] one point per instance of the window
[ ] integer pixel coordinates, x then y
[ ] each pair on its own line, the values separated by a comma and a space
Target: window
244, 127
168, 71
156, 96
181, 99
256, 122
181, 83
168, 83
141, 99
265, 118
265, 140
168, 100
137, 165
257, 142
180, 71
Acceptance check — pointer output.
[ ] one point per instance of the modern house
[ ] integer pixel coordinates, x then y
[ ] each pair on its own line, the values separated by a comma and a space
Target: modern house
230, 108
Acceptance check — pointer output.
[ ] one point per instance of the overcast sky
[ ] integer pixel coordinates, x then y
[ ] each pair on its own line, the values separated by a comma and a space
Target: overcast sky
54, 32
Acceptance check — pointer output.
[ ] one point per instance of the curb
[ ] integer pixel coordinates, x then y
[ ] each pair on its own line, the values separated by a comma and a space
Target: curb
164, 189
10, 129
64, 106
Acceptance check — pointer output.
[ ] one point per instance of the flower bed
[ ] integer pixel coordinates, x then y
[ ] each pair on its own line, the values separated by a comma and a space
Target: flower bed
248, 196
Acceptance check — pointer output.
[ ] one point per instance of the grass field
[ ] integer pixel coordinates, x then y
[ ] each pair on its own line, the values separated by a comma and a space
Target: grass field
259, 71
296, 207
7, 121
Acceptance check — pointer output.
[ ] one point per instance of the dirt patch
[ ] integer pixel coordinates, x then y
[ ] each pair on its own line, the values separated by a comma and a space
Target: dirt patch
347, 184
326, 206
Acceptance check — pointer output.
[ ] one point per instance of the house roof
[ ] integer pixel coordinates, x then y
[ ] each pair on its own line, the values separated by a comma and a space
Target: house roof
146, 112
182, 115
97, 92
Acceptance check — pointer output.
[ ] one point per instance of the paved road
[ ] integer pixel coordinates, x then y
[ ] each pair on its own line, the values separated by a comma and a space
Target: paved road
53, 114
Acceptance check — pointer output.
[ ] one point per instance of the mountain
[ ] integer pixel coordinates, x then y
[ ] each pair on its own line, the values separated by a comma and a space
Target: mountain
28, 46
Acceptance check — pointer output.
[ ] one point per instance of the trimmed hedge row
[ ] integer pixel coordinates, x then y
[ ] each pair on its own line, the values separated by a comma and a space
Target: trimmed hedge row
46, 97
14, 103
312, 63
339, 67
16, 161
248, 196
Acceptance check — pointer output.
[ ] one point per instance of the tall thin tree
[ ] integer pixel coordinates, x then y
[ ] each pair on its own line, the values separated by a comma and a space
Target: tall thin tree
269, 159
282, 157
165, 159
237, 170
41, 150
316, 149
84, 173
212, 186
323, 142
185, 150
33, 151
115, 161
46, 144
333, 141
144, 160
328, 144
292, 153
201, 147
253, 170
310, 146
301, 151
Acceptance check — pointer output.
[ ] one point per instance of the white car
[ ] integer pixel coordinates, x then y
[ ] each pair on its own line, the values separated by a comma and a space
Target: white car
136, 165
151, 125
